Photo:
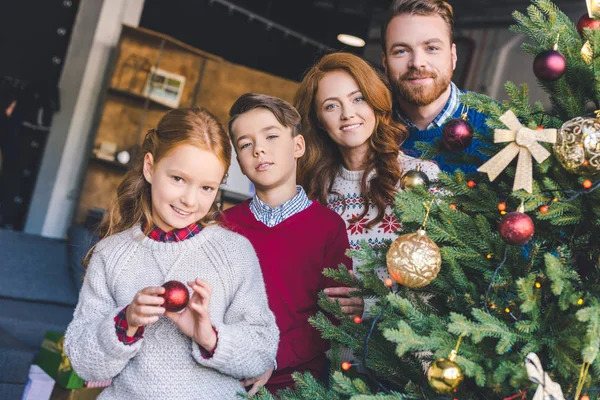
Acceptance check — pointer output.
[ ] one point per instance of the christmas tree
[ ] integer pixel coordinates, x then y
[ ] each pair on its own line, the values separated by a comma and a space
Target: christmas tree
516, 299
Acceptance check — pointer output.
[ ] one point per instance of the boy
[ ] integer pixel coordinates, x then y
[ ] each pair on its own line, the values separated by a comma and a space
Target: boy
294, 237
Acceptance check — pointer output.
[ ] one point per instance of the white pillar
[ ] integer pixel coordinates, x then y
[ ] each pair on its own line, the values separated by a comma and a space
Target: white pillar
57, 191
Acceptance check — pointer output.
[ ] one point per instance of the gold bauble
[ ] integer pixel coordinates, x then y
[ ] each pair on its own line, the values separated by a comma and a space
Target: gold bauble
577, 145
414, 178
414, 260
587, 53
444, 376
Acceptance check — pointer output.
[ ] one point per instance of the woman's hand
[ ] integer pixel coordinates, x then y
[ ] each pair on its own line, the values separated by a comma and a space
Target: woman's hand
351, 306
144, 308
194, 320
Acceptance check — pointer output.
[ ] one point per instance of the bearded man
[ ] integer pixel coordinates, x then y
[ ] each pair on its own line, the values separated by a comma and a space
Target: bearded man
419, 57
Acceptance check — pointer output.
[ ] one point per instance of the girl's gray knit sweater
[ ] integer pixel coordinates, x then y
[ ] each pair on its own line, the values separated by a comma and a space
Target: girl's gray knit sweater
166, 364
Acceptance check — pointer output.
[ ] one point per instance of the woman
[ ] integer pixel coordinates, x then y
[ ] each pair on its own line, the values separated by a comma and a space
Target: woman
352, 161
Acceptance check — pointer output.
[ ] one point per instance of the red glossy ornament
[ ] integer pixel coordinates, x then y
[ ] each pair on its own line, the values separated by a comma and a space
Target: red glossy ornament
176, 296
516, 228
457, 134
549, 65
586, 22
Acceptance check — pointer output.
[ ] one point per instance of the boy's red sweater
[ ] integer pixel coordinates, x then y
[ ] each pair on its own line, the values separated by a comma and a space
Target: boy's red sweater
292, 256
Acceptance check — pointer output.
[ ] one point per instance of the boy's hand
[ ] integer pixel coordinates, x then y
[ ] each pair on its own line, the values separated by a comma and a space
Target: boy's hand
351, 306
194, 320
257, 382
146, 303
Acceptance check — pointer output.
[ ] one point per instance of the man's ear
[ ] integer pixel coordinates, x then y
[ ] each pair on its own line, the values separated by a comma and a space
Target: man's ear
454, 56
384, 62
148, 167
299, 146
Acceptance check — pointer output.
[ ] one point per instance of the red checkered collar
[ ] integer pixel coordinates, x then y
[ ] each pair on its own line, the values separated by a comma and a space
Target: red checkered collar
176, 235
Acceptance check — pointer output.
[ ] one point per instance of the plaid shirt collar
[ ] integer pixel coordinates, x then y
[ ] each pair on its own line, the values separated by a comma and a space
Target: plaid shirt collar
272, 216
446, 113
176, 235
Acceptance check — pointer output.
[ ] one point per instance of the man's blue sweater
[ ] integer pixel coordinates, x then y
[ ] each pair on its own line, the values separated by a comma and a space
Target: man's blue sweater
477, 121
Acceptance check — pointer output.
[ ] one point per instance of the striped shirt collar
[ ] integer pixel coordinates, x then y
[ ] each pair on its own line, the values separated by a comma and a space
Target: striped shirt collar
446, 113
271, 216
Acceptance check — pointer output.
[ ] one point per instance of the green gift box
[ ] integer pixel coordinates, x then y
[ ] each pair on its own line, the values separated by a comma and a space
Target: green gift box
53, 360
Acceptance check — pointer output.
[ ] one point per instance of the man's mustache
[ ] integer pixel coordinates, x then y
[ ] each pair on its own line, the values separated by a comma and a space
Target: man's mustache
418, 75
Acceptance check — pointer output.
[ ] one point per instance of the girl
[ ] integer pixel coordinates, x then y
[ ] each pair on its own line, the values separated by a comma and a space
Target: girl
352, 161
163, 228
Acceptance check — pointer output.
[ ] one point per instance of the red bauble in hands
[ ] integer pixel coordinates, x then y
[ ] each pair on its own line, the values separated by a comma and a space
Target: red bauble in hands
457, 134
516, 228
586, 22
176, 296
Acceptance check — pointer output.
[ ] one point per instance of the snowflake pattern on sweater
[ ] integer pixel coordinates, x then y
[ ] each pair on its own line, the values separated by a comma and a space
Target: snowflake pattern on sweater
347, 183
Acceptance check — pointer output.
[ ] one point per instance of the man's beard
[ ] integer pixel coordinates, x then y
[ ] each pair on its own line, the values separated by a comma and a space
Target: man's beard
420, 95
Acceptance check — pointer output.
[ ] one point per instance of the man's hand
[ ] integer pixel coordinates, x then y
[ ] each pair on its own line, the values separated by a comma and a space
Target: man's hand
257, 382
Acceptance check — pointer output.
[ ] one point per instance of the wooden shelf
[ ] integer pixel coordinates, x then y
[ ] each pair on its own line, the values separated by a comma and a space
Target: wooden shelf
137, 96
113, 164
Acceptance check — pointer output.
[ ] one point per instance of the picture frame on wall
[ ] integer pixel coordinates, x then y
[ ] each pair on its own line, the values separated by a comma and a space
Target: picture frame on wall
164, 87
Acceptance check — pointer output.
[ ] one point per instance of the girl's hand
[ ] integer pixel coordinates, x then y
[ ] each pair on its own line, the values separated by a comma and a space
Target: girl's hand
144, 307
194, 320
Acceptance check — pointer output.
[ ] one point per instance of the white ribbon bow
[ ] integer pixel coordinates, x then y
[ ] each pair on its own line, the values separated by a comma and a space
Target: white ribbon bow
524, 142
546, 390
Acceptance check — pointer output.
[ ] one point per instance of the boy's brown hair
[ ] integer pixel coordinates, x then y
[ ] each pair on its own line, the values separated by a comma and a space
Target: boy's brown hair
417, 7
285, 113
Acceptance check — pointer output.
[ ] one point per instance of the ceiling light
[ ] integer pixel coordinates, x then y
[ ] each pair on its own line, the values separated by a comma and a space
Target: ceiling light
351, 40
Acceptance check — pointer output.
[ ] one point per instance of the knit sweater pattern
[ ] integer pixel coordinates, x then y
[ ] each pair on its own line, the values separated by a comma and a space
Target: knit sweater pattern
352, 203
167, 364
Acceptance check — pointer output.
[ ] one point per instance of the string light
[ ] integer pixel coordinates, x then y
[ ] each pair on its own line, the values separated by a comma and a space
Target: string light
488, 256
357, 319
538, 285
471, 184
453, 207
587, 184
389, 282
580, 301
346, 365
544, 209
502, 206
507, 310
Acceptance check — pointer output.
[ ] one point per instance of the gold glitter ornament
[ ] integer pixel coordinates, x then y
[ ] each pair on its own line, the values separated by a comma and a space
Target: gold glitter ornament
577, 145
414, 260
413, 178
444, 375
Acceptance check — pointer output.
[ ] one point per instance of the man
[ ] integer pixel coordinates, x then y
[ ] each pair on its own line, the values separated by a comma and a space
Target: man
419, 58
